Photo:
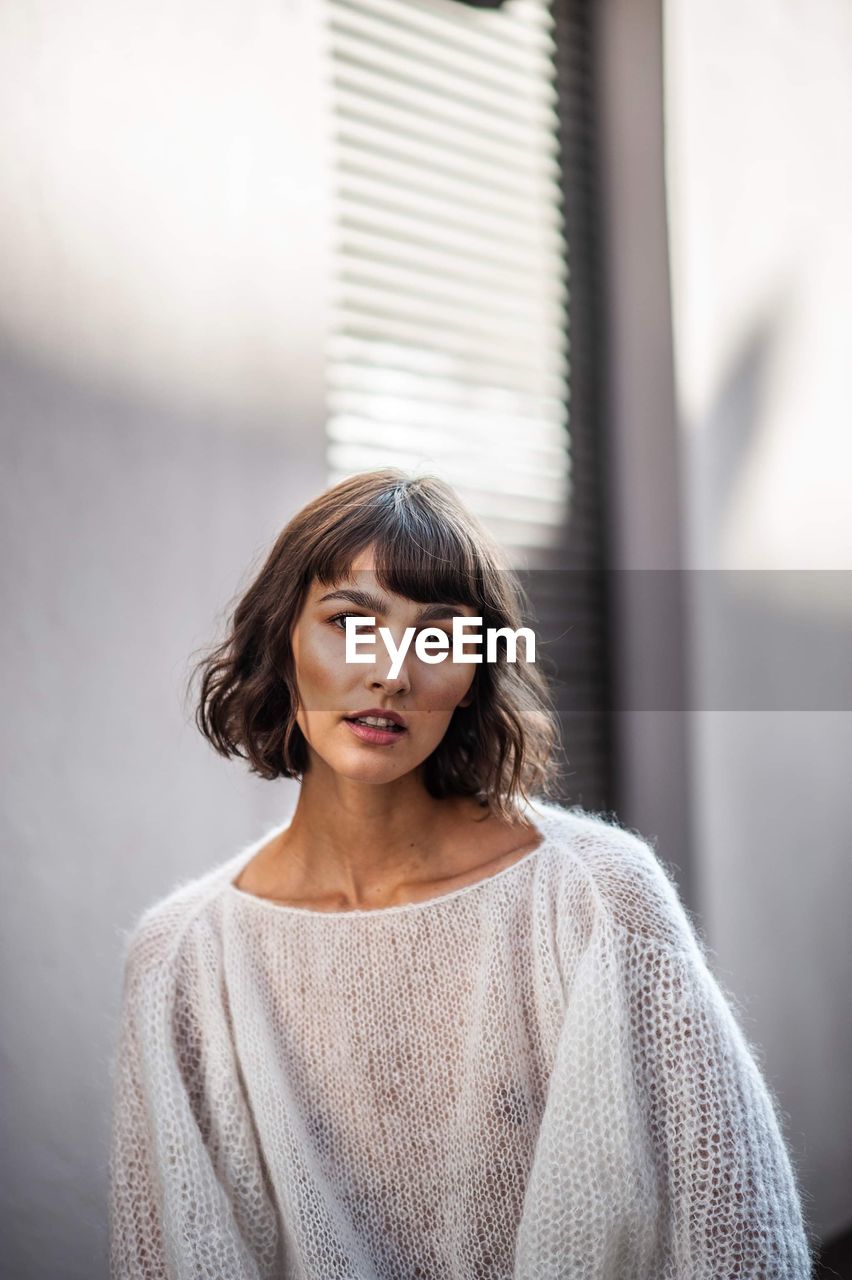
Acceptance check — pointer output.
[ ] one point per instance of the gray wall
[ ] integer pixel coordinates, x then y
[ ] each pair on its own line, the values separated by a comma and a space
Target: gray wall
162, 252
730, 395
126, 531
644, 502
760, 212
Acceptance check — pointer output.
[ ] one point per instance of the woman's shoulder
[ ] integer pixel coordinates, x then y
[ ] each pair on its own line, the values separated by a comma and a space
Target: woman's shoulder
160, 934
621, 870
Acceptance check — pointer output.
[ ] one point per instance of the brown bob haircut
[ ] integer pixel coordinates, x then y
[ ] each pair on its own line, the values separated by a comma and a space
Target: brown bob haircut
428, 547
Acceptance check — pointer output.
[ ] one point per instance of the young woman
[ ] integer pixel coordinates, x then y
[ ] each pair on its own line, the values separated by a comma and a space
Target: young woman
436, 1026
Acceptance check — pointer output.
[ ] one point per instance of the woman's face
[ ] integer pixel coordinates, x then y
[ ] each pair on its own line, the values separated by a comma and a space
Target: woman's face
332, 691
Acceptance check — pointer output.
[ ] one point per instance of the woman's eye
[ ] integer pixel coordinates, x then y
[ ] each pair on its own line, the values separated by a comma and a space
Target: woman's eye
343, 616
339, 620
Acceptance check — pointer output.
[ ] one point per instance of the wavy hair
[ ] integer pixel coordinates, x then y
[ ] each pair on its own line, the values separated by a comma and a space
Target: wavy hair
428, 547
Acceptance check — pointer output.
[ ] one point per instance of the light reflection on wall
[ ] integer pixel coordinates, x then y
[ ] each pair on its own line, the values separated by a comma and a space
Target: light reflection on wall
163, 221
759, 106
760, 202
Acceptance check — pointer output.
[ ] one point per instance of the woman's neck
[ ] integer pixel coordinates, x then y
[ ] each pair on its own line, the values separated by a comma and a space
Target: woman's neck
351, 846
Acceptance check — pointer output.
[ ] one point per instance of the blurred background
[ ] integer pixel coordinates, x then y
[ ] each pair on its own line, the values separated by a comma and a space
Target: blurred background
591, 262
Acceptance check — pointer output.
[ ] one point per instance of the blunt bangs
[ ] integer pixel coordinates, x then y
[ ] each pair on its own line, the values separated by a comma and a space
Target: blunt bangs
417, 555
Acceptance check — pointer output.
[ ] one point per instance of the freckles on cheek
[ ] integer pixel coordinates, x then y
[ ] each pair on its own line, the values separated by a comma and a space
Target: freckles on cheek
446, 684
321, 662
323, 668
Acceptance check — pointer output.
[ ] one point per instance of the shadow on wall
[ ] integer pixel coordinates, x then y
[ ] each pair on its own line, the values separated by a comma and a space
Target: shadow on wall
773, 824
127, 527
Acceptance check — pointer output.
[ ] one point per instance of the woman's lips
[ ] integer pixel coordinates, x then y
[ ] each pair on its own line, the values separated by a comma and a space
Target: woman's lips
371, 733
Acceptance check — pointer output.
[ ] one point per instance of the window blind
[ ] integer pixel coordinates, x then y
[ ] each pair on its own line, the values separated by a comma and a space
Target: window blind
448, 346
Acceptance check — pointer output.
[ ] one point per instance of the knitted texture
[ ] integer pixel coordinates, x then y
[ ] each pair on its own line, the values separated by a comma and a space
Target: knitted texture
535, 1076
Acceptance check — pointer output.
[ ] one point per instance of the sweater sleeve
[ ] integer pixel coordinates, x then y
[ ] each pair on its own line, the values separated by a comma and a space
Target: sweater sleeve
186, 1195
729, 1204
137, 1247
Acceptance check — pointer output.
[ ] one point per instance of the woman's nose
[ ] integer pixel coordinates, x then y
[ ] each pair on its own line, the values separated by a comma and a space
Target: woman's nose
390, 684
380, 674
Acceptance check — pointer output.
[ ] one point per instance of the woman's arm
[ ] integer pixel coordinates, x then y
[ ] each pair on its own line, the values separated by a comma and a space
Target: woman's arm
186, 1195
730, 1208
137, 1247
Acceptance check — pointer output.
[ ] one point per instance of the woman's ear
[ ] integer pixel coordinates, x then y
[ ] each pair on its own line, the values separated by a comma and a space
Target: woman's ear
468, 698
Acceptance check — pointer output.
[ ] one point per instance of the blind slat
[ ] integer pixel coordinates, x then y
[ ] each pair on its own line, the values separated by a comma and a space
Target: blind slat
439, 68
478, 121
378, 354
451, 21
366, 247
448, 132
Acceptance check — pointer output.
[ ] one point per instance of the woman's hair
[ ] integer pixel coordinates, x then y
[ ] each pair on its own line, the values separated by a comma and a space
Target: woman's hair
428, 547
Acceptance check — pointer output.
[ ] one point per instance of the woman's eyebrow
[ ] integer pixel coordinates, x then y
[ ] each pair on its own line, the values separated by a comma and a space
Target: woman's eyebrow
375, 605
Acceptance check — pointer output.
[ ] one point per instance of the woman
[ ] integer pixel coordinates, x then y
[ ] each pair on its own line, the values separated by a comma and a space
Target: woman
431, 1027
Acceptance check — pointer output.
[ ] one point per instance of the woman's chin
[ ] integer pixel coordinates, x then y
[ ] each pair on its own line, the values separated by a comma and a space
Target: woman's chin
358, 764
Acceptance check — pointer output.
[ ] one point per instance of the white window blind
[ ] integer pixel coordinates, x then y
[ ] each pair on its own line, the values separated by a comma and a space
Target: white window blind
447, 347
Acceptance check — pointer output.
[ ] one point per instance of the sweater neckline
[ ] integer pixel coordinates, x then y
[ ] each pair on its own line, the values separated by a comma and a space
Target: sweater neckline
542, 825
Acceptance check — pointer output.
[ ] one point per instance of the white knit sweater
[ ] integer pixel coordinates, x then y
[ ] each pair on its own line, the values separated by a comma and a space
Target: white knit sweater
535, 1076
